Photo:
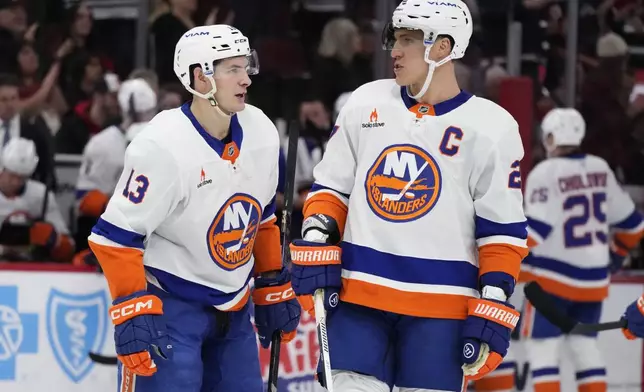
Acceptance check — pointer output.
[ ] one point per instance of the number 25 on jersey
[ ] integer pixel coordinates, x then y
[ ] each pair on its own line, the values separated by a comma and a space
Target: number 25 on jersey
587, 208
141, 182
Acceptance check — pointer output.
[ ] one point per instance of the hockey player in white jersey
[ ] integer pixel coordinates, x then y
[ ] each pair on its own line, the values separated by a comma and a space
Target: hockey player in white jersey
25, 230
581, 225
416, 219
190, 223
103, 155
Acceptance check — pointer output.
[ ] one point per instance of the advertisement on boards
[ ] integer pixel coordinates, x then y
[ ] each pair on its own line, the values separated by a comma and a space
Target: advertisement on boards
50, 321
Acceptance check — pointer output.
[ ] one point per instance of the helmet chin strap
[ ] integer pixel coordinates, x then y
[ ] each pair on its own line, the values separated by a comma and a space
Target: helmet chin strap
430, 72
210, 96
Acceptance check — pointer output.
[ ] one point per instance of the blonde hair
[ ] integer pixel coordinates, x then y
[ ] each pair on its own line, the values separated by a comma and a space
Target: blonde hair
337, 40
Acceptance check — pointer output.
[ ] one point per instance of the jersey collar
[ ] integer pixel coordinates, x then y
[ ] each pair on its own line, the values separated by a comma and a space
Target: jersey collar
434, 110
229, 151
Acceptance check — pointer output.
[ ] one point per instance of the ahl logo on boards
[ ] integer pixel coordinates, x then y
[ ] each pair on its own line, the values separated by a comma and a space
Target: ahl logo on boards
18, 332
76, 325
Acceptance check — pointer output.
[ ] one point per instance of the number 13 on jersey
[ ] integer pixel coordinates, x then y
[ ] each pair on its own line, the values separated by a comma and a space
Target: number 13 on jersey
138, 194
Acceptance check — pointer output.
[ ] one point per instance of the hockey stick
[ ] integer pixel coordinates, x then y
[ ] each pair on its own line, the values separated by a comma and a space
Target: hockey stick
320, 323
543, 303
289, 188
102, 359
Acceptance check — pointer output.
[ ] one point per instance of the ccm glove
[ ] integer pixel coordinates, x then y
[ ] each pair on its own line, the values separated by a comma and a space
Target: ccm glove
276, 308
635, 318
139, 330
486, 335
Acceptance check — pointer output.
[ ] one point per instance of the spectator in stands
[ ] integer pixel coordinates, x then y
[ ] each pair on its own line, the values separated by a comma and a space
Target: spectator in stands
166, 31
148, 75
604, 102
31, 223
335, 71
76, 65
42, 96
171, 96
86, 119
13, 124
13, 25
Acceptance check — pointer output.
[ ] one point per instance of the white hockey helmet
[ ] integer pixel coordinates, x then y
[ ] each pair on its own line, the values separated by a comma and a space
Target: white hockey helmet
19, 157
203, 46
566, 125
435, 19
136, 96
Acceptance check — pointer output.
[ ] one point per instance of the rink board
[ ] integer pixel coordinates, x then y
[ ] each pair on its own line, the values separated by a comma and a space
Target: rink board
49, 320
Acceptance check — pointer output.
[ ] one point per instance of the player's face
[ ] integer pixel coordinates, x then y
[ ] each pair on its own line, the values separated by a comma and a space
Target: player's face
231, 77
11, 183
408, 54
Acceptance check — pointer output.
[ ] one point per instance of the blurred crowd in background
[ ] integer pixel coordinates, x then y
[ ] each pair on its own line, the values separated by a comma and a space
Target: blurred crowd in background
61, 67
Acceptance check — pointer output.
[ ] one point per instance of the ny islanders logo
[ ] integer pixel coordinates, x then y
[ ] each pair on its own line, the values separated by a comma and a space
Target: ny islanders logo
403, 184
232, 233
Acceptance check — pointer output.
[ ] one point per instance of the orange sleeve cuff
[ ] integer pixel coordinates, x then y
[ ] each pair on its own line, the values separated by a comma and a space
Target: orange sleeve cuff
122, 267
327, 204
629, 240
93, 203
267, 249
501, 258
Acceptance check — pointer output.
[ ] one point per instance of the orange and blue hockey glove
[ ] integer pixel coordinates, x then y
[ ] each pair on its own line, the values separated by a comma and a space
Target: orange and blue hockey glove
634, 316
276, 308
487, 331
139, 331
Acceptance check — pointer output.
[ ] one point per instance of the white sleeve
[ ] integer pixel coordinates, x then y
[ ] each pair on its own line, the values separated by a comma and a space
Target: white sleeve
268, 212
496, 189
621, 213
146, 194
97, 170
539, 194
335, 174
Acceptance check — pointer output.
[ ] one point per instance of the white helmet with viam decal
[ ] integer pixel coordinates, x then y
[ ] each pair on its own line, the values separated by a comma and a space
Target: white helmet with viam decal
436, 19
203, 47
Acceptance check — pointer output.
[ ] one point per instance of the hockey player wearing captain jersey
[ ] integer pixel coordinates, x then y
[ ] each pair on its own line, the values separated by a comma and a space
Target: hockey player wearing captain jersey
581, 225
103, 155
417, 202
27, 231
190, 223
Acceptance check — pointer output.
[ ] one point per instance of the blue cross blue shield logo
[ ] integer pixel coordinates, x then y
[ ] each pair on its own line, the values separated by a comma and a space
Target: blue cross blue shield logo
76, 325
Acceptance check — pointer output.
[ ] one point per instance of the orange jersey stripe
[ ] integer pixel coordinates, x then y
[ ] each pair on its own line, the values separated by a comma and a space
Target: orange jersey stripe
404, 302
495, 383
327, 204
532, 242
122, 267
549, 386
629, 240
267, 250
501, 258
579, 294
242, 302
597, 386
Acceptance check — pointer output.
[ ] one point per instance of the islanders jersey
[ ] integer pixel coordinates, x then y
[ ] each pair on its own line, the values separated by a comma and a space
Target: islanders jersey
574, 207
191, 214
26, 207
429, 197
102, 162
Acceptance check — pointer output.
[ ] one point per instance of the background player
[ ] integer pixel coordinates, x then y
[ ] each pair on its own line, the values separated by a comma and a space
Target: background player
25, 231
577, 216
191, 222
103, 155
421, 182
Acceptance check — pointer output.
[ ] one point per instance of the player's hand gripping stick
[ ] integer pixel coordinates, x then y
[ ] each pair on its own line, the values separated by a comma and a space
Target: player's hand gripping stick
139, 330
276, 308
634, 316
486, 334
